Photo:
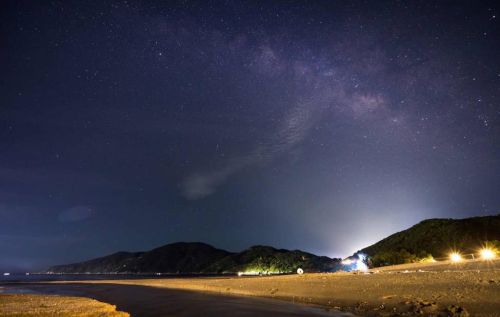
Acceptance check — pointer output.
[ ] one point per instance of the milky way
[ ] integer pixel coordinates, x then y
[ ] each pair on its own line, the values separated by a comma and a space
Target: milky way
305, 125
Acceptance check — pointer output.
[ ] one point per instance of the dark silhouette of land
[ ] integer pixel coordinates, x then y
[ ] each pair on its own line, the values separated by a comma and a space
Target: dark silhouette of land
196, 257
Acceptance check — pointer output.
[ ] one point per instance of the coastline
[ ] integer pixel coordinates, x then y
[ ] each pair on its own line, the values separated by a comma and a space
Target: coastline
145, 301
471, 288
433, 288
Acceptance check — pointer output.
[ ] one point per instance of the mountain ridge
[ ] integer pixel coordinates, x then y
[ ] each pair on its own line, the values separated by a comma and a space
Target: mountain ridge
202, 258
427, 240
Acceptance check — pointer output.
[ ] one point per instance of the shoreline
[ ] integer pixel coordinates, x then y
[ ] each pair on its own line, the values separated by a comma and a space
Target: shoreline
146, 301
470, 288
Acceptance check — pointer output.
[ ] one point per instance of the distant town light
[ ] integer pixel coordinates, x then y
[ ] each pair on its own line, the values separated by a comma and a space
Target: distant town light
455, 257
487, 254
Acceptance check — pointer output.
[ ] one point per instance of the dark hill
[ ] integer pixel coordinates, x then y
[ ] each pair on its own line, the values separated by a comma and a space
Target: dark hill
201, 258
269, 259
178, 257
436, 238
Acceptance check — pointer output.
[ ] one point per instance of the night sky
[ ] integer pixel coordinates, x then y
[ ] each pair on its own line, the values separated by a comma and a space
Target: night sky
315, 125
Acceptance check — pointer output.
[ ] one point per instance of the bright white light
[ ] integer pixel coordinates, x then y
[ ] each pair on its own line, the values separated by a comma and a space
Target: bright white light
360, 263
249, 273
356, 263
347, 262
455, 257
487, 254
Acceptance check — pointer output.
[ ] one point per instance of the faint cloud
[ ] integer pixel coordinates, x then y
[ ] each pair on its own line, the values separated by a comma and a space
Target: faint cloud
295, 127
200, 185
75, 214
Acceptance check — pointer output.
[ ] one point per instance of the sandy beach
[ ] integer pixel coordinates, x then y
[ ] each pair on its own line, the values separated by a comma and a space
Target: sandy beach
36, 305
471, 288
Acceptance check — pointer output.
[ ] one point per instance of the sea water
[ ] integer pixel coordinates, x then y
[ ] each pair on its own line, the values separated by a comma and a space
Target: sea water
36, 277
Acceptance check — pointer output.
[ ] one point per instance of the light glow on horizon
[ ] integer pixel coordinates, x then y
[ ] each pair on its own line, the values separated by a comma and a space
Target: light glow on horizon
356, 264
455, 257
360, 263
347, 262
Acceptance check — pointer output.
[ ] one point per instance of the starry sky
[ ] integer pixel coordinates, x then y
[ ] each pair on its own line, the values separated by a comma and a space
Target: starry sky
315, 125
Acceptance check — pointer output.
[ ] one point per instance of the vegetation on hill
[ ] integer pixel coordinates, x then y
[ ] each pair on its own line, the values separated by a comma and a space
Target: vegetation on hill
179, 258
270, 260
435, 238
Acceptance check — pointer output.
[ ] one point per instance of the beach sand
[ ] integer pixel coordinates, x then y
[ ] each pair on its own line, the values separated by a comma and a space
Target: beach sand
26, 305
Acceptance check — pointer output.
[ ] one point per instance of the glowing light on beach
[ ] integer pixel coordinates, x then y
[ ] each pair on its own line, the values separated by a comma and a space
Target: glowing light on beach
249, 273
353, 264
429, 259
455, 257
347, 262
360, 263
487, 254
